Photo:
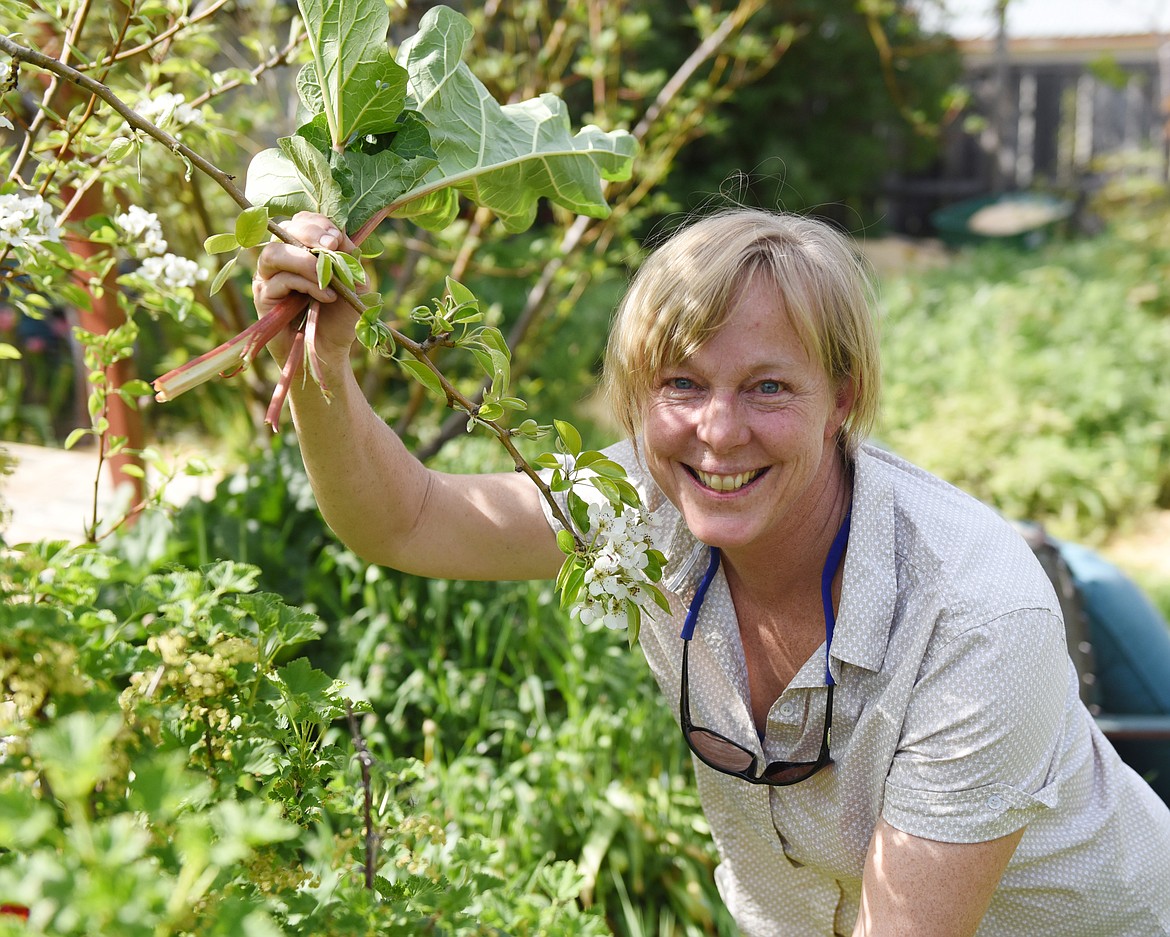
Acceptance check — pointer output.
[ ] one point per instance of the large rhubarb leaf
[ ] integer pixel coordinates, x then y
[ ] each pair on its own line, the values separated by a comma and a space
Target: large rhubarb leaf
410, 148
379, 175
503, 157
353, 78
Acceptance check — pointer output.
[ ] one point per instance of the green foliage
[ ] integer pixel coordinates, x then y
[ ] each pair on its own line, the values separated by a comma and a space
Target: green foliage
161, 772
543, 739
858, 92
1037, 381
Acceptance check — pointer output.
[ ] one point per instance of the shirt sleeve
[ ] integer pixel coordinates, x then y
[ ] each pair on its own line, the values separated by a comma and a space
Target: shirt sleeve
982, 733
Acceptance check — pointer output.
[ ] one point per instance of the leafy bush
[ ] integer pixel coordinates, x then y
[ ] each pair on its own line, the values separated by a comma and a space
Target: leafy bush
162, 773
544, 739
1037, 381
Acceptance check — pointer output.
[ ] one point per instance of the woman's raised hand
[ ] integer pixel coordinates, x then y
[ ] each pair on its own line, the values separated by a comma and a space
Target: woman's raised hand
283, 270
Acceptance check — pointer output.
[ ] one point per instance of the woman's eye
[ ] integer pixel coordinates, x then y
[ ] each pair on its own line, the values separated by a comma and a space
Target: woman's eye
681, 383
769, 387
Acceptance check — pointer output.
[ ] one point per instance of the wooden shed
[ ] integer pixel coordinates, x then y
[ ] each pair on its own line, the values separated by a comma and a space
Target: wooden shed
1043, 111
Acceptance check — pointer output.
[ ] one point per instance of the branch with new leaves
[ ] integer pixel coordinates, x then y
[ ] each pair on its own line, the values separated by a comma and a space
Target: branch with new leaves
410, 136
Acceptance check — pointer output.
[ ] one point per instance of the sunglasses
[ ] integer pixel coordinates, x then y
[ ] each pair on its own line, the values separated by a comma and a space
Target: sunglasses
721, 753
729, 757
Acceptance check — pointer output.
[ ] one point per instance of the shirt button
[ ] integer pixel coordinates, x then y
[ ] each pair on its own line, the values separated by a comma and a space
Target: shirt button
787, 709
995, 802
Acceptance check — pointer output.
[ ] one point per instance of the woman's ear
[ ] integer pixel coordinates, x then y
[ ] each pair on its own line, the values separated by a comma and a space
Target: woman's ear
844, 400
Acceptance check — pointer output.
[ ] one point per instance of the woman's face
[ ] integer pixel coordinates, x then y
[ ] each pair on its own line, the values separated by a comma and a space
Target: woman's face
741, 436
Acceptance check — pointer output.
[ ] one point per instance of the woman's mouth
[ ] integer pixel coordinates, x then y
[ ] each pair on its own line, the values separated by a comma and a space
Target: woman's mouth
727, 482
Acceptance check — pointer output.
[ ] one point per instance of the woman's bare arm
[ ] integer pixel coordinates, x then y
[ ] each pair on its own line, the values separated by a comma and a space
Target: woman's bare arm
377, 497
913, 887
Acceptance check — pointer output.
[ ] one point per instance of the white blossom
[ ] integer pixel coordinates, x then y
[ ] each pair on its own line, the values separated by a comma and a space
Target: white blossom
26, 221
139, 223
169, 109
619, 557
171, 272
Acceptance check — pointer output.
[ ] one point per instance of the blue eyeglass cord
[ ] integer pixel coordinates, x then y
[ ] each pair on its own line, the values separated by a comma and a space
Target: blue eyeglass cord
832, 562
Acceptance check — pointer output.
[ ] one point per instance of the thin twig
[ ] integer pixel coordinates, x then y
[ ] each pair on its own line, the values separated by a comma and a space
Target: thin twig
180, 24
366, 760
278, 58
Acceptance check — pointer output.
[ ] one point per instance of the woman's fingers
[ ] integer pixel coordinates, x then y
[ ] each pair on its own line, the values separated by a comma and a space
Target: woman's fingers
269, 289
284, 268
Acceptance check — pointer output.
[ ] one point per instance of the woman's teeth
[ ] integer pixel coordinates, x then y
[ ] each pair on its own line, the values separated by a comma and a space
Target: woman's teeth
727, 482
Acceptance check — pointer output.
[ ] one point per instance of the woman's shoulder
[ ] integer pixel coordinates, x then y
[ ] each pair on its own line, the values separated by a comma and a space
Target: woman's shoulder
964, 548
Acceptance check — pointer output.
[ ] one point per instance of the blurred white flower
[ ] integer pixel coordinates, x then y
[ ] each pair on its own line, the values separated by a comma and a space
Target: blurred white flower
171, 272
142, 224
169, 109
26, 221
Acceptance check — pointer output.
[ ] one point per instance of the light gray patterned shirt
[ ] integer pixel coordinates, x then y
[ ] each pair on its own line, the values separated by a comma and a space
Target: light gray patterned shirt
956, 718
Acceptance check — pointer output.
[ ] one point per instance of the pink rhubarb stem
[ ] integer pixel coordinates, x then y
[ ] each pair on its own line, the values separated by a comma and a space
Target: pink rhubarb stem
312, 362
233, 355
287, 373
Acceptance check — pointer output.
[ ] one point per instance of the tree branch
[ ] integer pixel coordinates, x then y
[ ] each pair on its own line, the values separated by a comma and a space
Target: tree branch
455, 399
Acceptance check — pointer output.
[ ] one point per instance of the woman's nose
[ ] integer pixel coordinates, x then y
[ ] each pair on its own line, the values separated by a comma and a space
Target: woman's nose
721, 424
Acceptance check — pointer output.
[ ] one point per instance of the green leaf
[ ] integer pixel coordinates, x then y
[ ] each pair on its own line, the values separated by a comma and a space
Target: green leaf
570, 438
221, 243
608, 468
352, 78
357, 273
659, 597
571, 587
607, 487
490, 411
504, 157
24, 819
372, 332
633, 623
381, 178
324, 269
579, 511
459, 293
312, 166
221, 276
119, 148
9, 352
252, 226
74, 752
136, 388
566, 541
627, 493
273, 180
301, 679
424, 375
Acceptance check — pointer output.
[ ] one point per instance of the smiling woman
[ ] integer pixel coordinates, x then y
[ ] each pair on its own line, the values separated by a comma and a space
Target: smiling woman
869, 665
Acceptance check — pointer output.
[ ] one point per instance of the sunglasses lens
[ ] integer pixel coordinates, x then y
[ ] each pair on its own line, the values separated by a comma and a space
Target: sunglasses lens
792, 774
718, 751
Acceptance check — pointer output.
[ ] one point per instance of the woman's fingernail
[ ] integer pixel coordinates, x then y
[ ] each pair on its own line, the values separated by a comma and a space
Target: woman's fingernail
329, 296
329, 241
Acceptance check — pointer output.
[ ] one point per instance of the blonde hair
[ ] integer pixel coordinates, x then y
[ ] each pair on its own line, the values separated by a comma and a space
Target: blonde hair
684, 291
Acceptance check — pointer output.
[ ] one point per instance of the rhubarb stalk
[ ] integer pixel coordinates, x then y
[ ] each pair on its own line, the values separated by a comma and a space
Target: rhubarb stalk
233, 355
287, 373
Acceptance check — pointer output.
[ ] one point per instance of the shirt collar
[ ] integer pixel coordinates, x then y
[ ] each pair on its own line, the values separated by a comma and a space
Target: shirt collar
870, 583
